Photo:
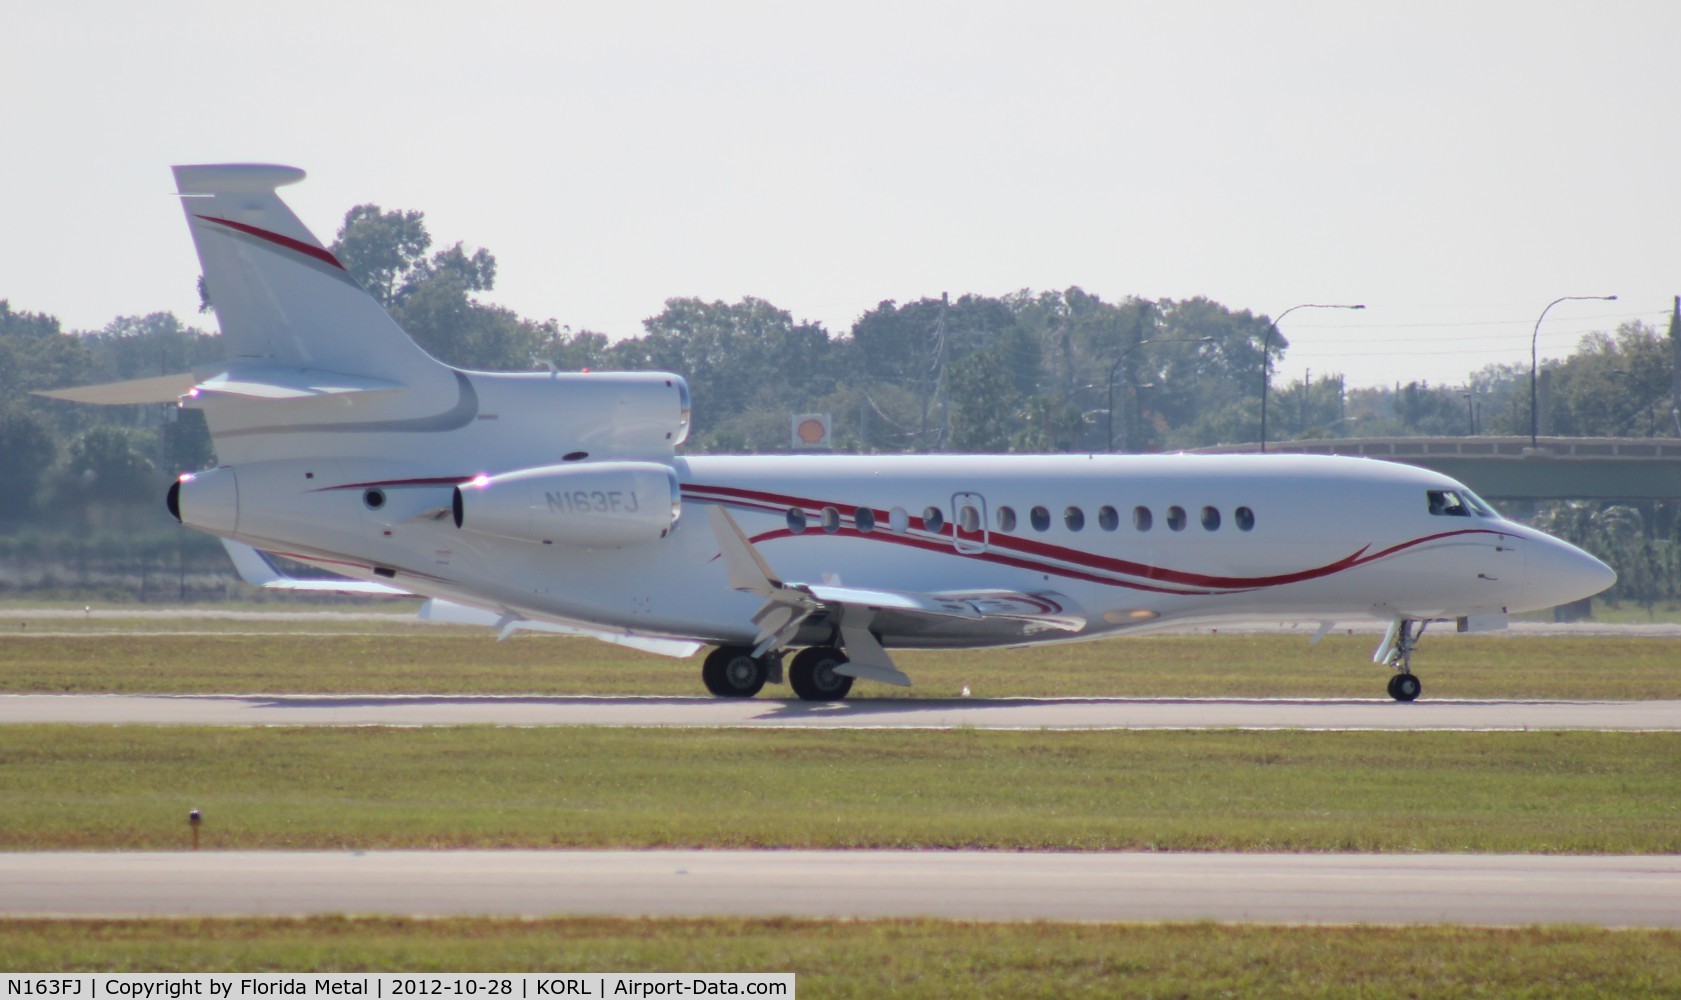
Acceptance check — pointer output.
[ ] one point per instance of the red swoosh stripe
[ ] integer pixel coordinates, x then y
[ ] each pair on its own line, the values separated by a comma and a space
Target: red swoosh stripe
1080, 564
288, 242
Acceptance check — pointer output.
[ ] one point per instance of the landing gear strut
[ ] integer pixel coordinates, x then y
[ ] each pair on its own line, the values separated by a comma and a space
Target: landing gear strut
734, 672
1397, 652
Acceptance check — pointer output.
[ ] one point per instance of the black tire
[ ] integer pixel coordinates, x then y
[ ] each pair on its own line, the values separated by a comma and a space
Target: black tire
812, 674
732, 672
1404, 687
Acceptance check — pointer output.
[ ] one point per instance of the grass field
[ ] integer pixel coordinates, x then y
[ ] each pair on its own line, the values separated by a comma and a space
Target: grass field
901, 958
371, 657
131, 788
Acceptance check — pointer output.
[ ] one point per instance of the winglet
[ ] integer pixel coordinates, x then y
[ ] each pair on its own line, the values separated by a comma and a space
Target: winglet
746, 569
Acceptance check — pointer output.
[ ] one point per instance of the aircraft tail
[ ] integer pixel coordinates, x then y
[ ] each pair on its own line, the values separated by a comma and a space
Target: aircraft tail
281, 298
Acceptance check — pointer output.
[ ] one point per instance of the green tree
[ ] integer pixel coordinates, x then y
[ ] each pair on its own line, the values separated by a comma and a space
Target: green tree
27, 451
985, 404
110, 464
749, 366
1614, 385
431, 296
36, 354
381, 249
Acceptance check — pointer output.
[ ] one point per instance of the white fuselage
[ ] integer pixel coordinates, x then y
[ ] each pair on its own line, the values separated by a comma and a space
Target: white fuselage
1132, 542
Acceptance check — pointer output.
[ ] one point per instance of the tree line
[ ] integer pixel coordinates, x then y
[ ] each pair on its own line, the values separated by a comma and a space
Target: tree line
1031, 371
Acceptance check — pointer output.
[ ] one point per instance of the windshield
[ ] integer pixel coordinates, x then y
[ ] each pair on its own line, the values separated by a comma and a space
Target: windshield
1457, 503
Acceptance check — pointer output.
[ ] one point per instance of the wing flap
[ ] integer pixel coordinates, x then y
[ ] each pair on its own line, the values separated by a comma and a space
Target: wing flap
260, 570
451, 613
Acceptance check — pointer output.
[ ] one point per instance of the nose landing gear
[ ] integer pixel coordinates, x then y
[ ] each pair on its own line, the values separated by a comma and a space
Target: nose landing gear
1404, 687
1396, 651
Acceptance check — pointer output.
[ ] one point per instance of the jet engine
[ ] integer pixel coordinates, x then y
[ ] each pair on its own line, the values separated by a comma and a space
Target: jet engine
208, 500
599, 505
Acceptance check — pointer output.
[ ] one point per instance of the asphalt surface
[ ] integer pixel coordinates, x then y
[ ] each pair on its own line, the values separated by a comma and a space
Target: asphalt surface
1494, 890
976, 713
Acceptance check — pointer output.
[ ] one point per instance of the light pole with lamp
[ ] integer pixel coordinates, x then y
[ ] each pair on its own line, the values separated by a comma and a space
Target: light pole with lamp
1266, 354
1534, 368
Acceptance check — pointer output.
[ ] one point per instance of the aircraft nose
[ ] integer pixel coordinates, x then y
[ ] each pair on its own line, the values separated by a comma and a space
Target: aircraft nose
1557, 573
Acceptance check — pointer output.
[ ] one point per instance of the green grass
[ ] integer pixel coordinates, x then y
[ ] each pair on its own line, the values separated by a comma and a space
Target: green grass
64, 787
900, 957
371, 657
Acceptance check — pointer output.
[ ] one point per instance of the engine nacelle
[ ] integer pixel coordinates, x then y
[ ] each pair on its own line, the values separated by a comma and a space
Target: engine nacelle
599, 505
208, 500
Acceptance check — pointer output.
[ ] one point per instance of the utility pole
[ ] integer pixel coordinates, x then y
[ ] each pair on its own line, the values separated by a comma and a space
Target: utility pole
940, 374
1675, 366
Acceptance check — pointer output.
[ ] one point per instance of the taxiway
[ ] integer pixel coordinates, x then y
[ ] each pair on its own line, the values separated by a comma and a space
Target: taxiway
864, 713
1493, 890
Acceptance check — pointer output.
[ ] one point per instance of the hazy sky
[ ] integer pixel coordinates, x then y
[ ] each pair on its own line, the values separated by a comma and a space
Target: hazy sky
1455, 166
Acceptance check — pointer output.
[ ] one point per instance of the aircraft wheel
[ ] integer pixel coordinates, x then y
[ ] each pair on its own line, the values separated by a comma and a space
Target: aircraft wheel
732, 672
812, 674
1404, 687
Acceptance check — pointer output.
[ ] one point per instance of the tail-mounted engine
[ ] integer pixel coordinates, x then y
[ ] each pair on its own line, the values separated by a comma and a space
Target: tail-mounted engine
600, 505
207, 500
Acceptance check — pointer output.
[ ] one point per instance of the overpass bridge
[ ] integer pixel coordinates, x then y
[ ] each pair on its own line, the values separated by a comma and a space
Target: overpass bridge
1508, 468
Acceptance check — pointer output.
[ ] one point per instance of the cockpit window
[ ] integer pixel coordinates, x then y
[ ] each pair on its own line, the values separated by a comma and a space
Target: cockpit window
1448, 503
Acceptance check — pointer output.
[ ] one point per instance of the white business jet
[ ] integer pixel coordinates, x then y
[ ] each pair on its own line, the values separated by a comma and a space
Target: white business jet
558, 502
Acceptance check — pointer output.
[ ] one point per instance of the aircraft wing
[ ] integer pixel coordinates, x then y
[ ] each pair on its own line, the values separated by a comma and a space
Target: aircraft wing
860, 612
259, 569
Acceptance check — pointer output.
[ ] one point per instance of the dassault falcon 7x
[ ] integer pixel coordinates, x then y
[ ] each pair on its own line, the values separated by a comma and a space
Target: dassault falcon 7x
559, 502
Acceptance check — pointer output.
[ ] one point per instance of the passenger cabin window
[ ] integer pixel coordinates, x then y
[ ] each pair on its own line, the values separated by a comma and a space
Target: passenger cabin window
1074, 518
1006, 519
1041, 519
970, 518
1245, 519
898, 520
796, 520
1142, 519
831, 520
1211, 519
932, 519
1107, 518
865, 519
1176, 518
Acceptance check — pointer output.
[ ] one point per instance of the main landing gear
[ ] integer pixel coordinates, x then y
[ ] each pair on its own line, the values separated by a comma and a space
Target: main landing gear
734, 672
1397, 651
812, 674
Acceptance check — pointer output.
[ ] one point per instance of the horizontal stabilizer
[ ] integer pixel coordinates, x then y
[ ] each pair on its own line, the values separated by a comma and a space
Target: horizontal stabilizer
158, 389
451, 613
274, 382
260, 570
248, 381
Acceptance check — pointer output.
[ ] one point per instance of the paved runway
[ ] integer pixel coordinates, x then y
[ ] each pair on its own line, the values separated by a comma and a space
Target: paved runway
1498, 890
977, 713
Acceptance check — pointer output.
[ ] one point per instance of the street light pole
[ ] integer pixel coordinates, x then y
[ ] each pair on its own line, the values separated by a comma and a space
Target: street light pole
1534, 367
1266, 354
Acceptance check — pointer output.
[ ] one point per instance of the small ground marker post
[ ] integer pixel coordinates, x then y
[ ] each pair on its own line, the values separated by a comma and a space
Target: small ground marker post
193, 820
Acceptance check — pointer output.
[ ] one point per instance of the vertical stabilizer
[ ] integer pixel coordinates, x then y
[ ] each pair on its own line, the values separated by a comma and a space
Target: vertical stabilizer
281, 297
